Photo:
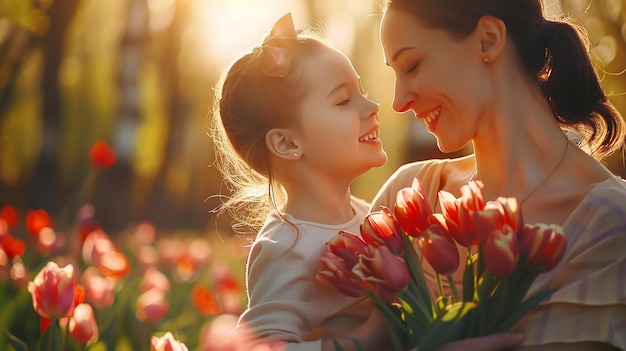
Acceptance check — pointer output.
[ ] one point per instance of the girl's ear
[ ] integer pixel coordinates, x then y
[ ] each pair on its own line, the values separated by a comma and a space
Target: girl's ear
491, 32
282, 143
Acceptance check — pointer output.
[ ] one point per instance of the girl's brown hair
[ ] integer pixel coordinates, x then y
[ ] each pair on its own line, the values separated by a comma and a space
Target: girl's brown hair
247, 104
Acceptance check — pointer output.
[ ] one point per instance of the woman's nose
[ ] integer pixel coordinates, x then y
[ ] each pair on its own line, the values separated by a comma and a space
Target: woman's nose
401, 99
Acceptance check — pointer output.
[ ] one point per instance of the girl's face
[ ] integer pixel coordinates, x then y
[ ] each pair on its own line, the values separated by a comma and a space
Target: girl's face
338, 124
439, 78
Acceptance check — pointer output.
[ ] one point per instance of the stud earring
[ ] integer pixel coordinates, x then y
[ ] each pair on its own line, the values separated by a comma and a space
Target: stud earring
485, 59
295, 154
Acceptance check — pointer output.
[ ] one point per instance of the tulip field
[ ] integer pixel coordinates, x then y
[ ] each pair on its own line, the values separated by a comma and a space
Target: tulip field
86, 289
74, 286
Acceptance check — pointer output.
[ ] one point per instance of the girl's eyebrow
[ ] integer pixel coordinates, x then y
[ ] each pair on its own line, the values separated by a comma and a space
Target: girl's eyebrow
342, 86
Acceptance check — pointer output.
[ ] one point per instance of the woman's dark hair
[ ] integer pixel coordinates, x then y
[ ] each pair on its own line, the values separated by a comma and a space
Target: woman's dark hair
556, 52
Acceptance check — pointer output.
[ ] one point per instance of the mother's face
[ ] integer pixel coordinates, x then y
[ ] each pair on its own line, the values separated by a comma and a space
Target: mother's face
437, 76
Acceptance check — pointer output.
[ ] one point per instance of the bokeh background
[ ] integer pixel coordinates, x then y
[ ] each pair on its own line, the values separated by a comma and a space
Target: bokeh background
139, 74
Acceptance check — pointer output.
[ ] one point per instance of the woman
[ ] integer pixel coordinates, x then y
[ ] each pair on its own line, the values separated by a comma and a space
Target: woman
500, 75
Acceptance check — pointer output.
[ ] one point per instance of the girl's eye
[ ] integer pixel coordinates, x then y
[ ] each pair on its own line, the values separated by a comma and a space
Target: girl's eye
344, 102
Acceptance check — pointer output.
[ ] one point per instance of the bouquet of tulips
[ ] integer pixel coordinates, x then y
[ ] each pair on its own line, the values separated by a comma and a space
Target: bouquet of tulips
504, 256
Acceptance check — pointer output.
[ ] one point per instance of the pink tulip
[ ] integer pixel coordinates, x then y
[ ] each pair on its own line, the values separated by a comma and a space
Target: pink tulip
382, 228
167, 342
154, 279
438, 250
543, 245
152, 306
223, 333
99, 291
18, 272
412, 209
335, 273
501, 251
52, 291
82, 324
385, 272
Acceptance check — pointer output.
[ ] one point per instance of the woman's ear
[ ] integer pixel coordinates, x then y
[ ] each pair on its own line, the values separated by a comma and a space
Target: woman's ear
491, 32
282, 143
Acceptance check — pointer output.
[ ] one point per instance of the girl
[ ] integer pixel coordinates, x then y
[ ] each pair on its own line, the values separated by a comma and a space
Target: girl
292, 129
501, 75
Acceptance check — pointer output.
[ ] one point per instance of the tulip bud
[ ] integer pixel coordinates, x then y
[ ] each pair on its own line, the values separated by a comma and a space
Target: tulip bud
82, 324
442, 254
450, 210
52, 291
167, 343
386, 272
336, 273
412, 209
543, 245
501, 252
382, 228
495, 215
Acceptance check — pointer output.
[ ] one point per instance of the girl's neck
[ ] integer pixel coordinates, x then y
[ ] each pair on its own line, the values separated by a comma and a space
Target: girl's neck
322, 202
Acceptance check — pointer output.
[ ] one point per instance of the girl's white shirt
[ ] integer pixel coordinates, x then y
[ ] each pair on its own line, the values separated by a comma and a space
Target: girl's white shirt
287, 304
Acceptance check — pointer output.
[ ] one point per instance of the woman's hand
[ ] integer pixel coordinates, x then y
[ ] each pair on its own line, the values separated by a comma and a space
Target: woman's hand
495, 342
373, 335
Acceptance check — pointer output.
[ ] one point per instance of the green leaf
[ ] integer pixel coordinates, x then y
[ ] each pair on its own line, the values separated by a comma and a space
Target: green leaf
522, 310
18, 344
469, 280
449, 326
52, 338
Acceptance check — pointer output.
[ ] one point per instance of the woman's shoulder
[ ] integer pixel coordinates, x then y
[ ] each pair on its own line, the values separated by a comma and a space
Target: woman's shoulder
429, 172
608, 196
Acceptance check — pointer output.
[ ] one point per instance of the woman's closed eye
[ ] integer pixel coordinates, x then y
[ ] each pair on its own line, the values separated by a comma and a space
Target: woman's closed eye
412, 68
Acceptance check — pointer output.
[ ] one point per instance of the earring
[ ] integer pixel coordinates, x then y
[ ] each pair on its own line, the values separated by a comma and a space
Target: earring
295, 154
485, 59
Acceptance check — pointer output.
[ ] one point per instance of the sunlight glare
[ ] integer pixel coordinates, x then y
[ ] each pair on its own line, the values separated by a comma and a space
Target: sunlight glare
227, 28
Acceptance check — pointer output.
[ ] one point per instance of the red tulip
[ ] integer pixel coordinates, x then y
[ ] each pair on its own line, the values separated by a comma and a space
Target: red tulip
82, 325
495, 215
438, 250
412, 209
11, 246
167, 342
37, 220
450, 210
382, 228
9, 215
386, 272
543, 245
52, 291
102, 156
204, 300
501, 251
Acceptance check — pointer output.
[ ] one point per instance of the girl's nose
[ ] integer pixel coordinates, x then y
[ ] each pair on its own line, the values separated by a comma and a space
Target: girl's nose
372, 108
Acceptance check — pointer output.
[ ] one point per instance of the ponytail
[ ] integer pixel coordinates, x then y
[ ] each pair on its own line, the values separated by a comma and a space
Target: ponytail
572, 87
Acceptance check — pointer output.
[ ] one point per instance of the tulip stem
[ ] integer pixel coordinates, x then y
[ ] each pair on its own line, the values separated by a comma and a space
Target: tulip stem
455, 292
440, 285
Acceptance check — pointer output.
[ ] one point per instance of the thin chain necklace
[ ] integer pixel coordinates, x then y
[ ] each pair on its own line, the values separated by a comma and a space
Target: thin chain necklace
540, 183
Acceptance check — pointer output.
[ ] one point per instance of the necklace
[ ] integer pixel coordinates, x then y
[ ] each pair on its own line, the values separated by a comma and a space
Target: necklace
540, 183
